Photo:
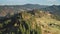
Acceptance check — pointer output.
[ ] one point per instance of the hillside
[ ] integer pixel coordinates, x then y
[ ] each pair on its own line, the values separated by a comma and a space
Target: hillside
5, 9
30, 22
54, 9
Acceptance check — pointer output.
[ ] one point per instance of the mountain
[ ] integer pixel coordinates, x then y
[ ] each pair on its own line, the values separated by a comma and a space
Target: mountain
34, 6
13, 9
25, 6
5, 9
54, 9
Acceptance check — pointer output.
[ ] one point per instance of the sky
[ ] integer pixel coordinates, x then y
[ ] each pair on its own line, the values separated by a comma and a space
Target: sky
22, 2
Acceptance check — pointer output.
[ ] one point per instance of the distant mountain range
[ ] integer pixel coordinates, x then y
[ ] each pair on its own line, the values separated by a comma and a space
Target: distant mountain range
26, 6
15, 8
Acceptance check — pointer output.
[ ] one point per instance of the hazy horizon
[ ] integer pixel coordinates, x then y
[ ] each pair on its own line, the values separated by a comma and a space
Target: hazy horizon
22, 2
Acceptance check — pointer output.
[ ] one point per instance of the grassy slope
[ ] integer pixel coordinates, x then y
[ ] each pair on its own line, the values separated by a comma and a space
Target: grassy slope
49, 25
35, 22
